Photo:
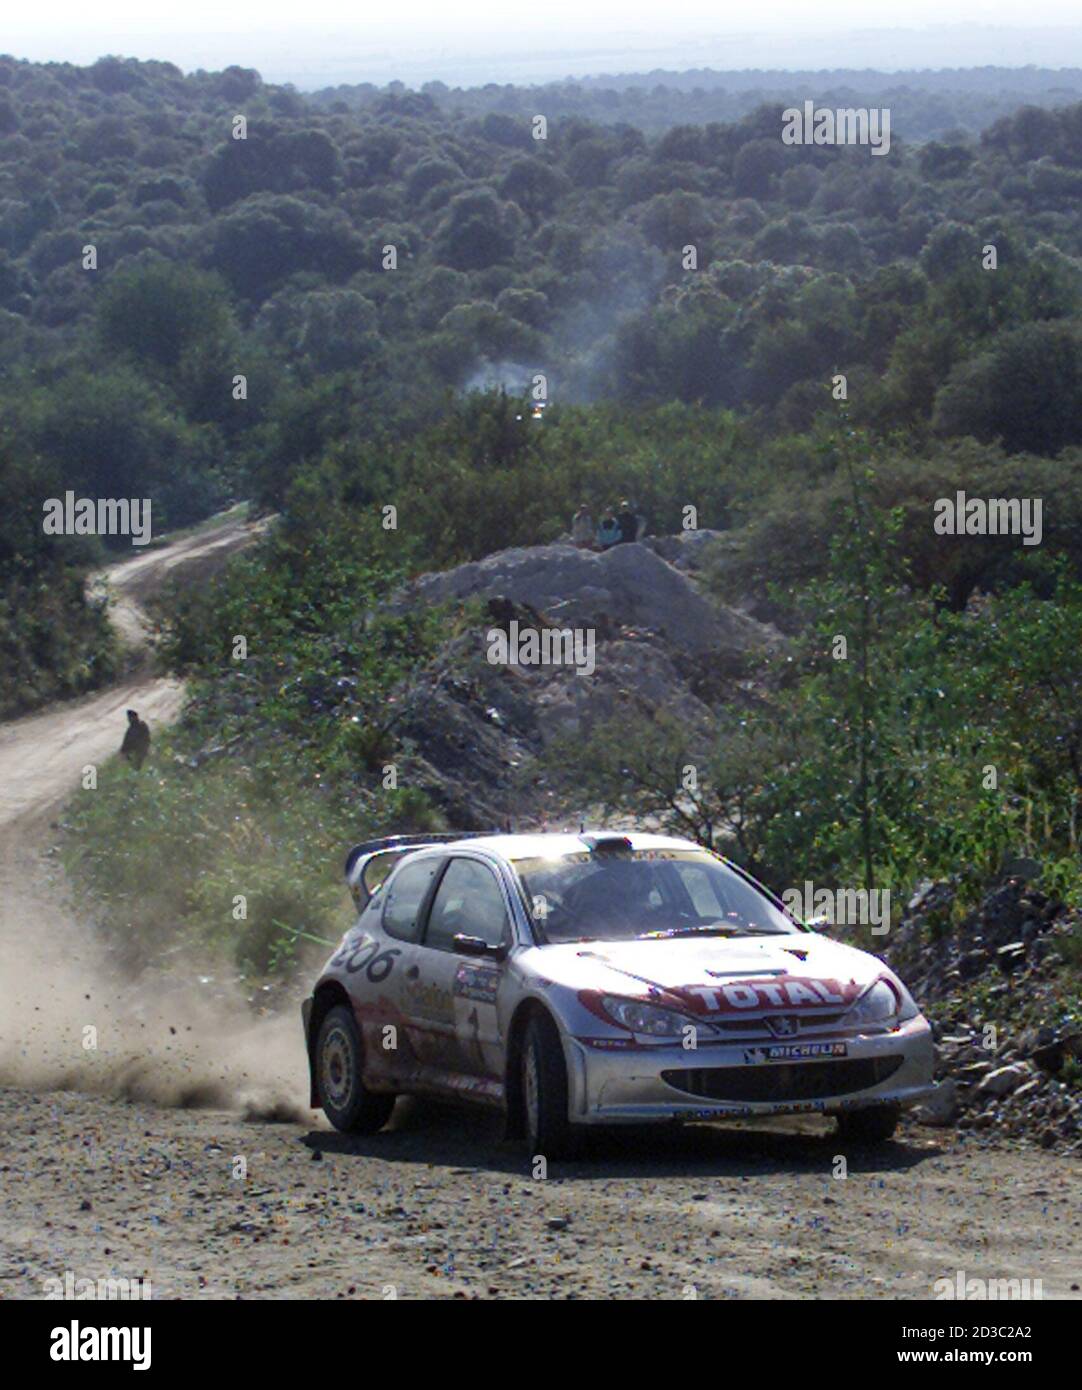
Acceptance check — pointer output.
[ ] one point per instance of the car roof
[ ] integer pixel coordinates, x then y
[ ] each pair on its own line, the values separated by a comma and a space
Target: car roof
555, 843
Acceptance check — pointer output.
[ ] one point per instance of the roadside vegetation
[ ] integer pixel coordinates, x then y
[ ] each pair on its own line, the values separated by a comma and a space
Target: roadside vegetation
227, 847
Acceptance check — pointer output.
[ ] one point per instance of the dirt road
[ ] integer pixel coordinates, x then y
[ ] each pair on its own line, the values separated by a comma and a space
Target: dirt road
42, 755
107, 1170
438, 1207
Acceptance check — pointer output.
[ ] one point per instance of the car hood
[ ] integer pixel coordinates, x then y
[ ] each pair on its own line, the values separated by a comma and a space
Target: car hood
719, 975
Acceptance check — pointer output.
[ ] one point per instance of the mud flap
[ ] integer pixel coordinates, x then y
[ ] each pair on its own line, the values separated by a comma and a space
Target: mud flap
306, 1014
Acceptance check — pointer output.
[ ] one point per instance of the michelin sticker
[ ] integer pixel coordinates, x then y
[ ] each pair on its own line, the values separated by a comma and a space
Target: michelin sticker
795, 1052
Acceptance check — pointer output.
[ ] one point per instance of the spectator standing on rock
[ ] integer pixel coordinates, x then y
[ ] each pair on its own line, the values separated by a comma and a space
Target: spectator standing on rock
136, 743
630, 523
582, 528
608, 533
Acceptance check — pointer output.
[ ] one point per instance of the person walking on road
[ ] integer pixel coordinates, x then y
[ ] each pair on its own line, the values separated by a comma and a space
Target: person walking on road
136, 743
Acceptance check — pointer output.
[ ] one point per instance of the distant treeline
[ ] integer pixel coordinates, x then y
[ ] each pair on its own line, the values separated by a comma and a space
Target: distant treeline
924, 104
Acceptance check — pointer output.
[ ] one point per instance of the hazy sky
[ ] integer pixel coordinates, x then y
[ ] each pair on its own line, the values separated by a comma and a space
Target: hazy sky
324, 41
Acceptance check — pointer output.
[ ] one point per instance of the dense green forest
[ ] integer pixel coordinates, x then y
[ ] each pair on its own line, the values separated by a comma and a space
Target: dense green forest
264, 258
348, 306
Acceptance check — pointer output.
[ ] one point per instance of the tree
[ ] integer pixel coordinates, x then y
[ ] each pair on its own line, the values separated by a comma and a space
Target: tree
476, 232
1025, 389
158, 311
108, 433
266, 240
588, 162
534, 185
337, 329
757, 166
429, 173
672, 220
939, 161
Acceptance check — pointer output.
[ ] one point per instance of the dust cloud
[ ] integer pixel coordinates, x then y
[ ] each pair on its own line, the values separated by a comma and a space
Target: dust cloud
72, 1017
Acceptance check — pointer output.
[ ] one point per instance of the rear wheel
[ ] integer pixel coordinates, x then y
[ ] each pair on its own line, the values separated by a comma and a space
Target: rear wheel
875, 1125
346, 1102
544, 1091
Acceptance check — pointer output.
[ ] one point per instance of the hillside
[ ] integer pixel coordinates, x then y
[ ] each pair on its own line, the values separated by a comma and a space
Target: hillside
212, 288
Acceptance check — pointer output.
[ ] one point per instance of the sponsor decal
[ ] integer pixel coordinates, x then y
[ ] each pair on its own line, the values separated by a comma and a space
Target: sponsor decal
722, 1106
473, 1085
795, 1052
786, 1107
477, 982
746, 996
432, 1000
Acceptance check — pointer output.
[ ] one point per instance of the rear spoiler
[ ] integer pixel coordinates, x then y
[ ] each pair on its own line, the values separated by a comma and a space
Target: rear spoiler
364, 861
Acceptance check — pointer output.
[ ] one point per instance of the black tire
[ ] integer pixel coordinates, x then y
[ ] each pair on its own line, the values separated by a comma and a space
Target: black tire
346, 1102
544, 1091
872, 1126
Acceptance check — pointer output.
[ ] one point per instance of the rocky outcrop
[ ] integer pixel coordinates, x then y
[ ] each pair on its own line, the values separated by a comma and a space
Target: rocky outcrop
1002, 994
657, 643
629, 587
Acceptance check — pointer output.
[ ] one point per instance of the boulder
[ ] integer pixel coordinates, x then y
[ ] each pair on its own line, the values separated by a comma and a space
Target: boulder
1002, 1081
1026, 1089
1020, 867
972, 963
942, 1106
1010, 957
690, 550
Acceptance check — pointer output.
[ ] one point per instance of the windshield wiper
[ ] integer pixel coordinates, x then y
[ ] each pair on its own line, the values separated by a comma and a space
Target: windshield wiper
705, 929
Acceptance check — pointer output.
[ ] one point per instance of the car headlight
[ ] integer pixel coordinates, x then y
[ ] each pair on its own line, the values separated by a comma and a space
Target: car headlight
879, 1004
645, 1018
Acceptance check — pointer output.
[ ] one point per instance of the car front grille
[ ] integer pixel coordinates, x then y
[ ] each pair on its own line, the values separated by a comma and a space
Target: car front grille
783, 1081
758, 1026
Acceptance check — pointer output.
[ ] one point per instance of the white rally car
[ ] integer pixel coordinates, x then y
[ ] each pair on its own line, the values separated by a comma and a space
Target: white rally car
591, 979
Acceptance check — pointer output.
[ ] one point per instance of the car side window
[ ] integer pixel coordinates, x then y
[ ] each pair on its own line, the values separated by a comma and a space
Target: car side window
468, 902
405, 896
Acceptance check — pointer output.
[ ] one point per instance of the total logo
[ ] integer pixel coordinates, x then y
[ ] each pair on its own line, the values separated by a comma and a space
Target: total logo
771, 994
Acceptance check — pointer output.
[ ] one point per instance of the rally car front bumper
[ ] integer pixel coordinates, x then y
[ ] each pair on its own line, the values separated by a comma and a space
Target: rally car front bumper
764, 1076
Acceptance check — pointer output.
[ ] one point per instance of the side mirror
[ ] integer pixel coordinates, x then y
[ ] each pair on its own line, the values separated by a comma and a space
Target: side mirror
475, 946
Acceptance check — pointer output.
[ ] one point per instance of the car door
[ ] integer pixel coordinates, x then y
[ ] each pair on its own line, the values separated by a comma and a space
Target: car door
405, 899
456, 991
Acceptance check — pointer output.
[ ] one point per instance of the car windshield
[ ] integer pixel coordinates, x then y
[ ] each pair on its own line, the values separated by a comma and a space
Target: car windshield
629, 895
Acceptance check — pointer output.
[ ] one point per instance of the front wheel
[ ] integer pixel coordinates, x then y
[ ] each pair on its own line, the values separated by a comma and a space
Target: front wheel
346, 1101
874, 1125
544, 1091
